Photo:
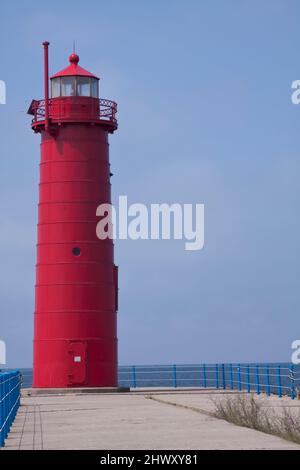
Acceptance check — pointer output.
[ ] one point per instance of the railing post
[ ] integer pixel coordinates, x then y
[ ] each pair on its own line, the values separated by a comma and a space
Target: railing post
5, 404
174, 376
20, 378
239, 377
9, 402
257, 385
204, 376
248, 379
223, 377
1, 412
292, 382
268, 380
134, 376
217, 375
231, 376
279, 381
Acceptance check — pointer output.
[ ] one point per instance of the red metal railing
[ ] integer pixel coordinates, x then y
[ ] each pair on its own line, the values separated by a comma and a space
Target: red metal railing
75, 109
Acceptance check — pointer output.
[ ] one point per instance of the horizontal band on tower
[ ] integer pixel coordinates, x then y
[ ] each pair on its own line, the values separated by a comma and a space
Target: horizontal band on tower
87, 311
71, 202
76, 181
89, 160
89, 242
109, 263
87, 283
103, 338
67, 222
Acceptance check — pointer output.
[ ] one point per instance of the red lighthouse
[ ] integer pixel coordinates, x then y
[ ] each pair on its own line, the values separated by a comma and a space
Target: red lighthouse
76, 293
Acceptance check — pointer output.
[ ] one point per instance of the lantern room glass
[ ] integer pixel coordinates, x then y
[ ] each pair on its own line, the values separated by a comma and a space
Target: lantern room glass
68, 86
94, 87
74, 86
55, 87
83, 86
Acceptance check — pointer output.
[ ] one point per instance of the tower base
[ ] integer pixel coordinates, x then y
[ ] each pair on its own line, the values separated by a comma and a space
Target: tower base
34, 392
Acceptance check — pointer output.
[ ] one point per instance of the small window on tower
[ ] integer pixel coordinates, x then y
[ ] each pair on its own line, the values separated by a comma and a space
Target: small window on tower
76, 251
55, 87
68, 86
83, 86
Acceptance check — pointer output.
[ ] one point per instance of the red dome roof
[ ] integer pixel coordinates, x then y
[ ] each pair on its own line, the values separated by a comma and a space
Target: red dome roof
74, 69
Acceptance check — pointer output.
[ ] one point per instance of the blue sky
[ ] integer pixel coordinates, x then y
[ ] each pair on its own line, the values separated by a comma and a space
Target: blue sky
205, 115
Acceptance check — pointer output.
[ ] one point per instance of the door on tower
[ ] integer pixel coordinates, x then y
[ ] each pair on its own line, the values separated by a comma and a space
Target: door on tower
77, 351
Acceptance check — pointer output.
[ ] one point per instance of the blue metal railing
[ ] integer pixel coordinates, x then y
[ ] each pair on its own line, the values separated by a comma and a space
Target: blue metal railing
10, 392
279, 379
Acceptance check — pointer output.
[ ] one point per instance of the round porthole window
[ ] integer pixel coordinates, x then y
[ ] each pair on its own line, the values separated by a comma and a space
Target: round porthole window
76, 251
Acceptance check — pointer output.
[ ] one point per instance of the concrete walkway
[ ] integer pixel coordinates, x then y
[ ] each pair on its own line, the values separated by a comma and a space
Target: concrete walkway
166, 420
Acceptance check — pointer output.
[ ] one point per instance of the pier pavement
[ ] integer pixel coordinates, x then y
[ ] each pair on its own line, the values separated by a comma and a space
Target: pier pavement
140, 419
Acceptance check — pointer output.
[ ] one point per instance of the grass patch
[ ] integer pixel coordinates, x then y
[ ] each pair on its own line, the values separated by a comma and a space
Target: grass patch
244, 410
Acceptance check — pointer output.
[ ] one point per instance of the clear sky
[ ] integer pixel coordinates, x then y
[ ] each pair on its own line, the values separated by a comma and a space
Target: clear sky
205, 115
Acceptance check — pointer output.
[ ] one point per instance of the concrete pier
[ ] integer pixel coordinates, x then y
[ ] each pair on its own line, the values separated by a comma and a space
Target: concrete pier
144, 419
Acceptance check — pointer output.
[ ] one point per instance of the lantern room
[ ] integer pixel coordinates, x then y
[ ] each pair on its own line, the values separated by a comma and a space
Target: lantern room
74, 97
74, 81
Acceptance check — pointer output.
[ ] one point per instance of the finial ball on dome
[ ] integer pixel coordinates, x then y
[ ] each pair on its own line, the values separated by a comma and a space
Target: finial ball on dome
74, 58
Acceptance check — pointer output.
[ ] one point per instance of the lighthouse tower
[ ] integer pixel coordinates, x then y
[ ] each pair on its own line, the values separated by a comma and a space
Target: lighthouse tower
76, 292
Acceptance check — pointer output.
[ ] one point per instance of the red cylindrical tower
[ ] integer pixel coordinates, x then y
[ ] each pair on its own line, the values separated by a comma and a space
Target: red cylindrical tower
76, 293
